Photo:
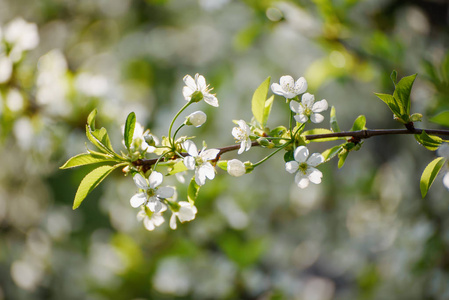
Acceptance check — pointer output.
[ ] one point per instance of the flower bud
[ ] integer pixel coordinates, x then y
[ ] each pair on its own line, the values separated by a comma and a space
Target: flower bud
196, 118
149, 139
236, 168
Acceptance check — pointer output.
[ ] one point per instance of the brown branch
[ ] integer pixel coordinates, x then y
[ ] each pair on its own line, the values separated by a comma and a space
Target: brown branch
358, 135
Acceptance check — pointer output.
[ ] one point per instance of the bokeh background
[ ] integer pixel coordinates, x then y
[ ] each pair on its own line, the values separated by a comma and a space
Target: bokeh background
364, 233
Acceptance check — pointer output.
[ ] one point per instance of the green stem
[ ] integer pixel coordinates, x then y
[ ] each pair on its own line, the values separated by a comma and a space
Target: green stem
177, 130
172, 141
271, 154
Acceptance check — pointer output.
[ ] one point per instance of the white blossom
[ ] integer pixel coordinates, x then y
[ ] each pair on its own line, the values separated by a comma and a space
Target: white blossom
151, 195
185, 213
5, 68
200, 162
236, 168
150, 219
198, 85
22, 36
307, 109
241, 135
288, 87
304, 167
196, 118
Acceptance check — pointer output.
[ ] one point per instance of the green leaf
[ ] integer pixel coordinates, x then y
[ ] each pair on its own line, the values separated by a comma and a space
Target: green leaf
192, 191
178, 167
320, 131
331, 152
430, 173
267, 110
402, 93
442, 118
394, 76
86, 159
91, 119
258, 100
289, 156
333, 120
342, 155
91, 181
431, 142
223, 164
129, 129
359, 123
391, 102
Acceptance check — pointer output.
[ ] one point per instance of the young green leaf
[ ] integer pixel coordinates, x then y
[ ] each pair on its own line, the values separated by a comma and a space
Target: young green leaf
192, 191
442, 118
258, 100
394, 76
223, 164
431, 142
430, 173
91, 119
129, 129
320, 131
86, 159
333, 120
267, 110
402, 93
91, 181
391, 102
359, 123
178, 167
331, 152
342, 155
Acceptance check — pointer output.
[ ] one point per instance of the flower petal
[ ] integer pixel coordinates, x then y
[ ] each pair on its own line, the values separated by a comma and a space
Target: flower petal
300, 85
200, 82
287, 83
301, 180
155, 179
186, 212
138, 199
190, 82
315, 159
302, 118
320, 106
291, 166
209, 154
295, 106
308, 99
301, 154
316, 118
242, 147
200, 177
248, 144
277, 89
140, 182
157, 219
173, 224
187, 92
148, 223
314, 175
190, 148
165, 192
189, 162
446, 180
210, 99
207, 170
155, 205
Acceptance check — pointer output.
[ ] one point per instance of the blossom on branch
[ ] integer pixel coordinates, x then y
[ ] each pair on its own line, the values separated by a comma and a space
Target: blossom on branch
304, 167
288, 88
196, 118
241, 135
200, 162
151, 195
236, 168
197, 89
308, 109
150, 219
185, 212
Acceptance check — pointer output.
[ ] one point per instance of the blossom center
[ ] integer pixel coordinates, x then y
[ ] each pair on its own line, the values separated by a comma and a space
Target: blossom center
240, 134
151, 192
303, 168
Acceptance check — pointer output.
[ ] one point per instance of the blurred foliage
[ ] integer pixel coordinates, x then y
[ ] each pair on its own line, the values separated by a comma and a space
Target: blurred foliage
364, 233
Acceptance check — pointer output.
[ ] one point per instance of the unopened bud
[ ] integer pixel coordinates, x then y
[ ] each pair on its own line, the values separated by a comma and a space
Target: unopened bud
236, 168
196, 118
149, 139
263, 142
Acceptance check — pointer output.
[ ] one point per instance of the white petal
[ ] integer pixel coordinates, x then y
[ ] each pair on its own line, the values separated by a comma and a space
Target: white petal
295, 106
209, 154
277, 89
302, 118
291, 166
301, 154
200, 178
138, 199
207, 170
300, 85
155, 179
149, 225
248, 144
190, 148
190, 82
157, 219
165, 192
187, 92
189, 162
315, 159
140, 182
446, 180
141, 215
287, 82
186, 213
320, 106
242, 124
155, 205
200, 82
242, 147
307, 100
301, 180
173, 221
316, 118
210, 99
314, 175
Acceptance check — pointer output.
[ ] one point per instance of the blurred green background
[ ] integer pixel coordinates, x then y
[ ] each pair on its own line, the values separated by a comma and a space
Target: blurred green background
364, 233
